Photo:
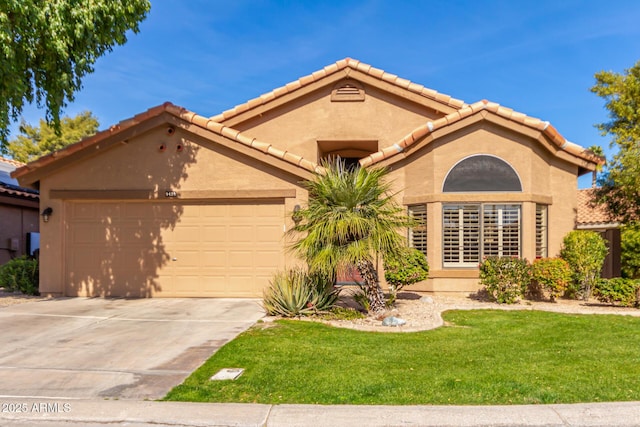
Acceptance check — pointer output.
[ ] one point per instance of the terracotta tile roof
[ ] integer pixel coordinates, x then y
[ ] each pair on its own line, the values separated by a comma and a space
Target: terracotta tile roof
184, 114
590, 214
9, 187
12, 162
347, 63
476, 108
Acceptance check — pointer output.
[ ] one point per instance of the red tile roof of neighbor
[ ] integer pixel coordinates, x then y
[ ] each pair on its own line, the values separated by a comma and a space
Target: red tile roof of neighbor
12, 162
213, 124
8, 188
590, 214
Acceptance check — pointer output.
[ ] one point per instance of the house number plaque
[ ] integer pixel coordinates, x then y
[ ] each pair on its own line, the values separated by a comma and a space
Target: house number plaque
170, 193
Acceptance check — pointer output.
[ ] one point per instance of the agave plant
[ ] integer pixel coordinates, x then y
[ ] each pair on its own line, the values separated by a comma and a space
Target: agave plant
297, 293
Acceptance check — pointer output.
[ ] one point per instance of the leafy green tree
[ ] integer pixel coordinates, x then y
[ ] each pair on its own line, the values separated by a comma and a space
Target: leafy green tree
620, 183
49, 46
630, 250
350, 220
585, 252
36, 141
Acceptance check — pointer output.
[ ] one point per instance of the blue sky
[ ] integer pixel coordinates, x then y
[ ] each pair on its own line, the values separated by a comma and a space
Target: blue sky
537, 57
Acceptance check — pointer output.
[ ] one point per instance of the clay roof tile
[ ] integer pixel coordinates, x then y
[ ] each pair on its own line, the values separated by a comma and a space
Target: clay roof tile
275, 152
11, 162
229, 132
262, 146
306, 164
331, 68
214, 126
365, 68
590, 213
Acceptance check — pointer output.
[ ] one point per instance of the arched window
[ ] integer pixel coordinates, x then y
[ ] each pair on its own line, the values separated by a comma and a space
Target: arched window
481, 173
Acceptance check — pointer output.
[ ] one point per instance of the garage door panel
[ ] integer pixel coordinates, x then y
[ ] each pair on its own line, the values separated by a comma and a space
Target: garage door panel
266, 233
190, 234
242, 233
266, 259
126, 248
214, 259
213, 234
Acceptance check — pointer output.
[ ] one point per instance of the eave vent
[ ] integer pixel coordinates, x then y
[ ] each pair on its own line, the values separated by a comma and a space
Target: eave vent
347, 91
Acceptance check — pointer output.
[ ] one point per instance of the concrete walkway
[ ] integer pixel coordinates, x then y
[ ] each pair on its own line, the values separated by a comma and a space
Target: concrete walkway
93, 413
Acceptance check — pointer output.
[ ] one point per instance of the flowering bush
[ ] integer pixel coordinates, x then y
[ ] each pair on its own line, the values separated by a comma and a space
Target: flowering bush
550, 276
505, 279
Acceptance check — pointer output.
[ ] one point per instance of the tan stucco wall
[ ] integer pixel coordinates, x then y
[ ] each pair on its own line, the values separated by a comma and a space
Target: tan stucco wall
298, 126
140, 165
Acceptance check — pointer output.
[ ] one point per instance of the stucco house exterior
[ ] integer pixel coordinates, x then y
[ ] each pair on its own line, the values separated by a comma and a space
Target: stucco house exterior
172, 203
18, 214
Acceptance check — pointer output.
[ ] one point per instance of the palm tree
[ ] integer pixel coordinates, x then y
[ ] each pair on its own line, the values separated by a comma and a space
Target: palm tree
350, 220
598, 151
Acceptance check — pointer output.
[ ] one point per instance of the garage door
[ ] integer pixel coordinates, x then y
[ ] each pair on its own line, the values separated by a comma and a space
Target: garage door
164, 249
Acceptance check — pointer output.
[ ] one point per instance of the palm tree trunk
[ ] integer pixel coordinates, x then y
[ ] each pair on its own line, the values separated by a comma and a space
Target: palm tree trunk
372, 286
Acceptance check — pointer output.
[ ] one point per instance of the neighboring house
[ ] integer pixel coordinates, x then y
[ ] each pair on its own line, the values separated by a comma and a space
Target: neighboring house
595, 218
18, 214
172, 203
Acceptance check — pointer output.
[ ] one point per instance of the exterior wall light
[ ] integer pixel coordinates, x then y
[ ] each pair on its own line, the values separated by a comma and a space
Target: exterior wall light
46, 214
296, 216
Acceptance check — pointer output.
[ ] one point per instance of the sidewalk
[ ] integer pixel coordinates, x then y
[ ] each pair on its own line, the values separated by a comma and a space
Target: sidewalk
93, 413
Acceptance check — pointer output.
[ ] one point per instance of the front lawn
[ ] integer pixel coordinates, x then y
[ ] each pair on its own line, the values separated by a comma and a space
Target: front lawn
482, 357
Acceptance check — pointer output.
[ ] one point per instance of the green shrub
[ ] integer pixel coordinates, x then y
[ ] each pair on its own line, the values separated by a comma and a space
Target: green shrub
20, 274
630, 250
298, 293
405, 268
343, 313
585, 252
505, 279
550, 276
617, 291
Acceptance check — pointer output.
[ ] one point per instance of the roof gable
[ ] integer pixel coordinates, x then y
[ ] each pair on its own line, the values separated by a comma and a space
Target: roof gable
485, 110
168, 113
328, 76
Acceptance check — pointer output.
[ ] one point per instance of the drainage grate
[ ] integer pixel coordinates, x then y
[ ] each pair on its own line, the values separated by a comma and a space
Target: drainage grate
227, 374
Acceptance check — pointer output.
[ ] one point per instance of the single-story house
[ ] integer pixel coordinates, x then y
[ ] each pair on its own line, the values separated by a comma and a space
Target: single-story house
173, 203
18, 215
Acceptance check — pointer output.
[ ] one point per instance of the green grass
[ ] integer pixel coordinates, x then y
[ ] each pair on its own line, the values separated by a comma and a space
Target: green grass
482, 357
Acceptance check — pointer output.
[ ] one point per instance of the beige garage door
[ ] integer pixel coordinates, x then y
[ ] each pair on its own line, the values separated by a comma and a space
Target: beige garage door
164, 249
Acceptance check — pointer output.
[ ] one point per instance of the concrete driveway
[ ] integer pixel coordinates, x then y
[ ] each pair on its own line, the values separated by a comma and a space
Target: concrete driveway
113, 348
